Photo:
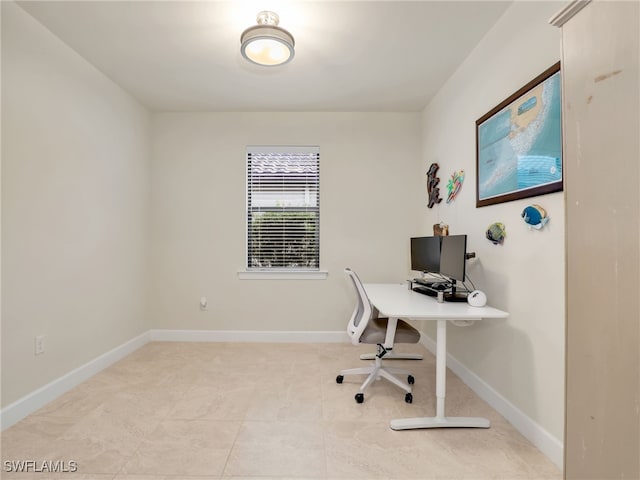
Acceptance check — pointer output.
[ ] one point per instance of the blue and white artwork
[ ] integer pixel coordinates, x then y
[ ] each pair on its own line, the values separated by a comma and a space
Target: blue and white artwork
520, 146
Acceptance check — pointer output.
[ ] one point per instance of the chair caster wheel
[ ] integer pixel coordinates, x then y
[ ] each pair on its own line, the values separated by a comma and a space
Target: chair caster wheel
408, 398
411, 380
360, 397
339, 379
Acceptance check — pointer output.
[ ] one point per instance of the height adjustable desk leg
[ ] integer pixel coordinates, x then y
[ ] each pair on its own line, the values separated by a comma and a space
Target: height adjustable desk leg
440, 420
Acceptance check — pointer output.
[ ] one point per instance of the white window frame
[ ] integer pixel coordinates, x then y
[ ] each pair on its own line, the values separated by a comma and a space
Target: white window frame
271, 273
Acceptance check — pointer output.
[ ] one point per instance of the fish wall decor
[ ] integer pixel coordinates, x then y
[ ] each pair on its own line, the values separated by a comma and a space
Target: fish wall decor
496, 233
535, 216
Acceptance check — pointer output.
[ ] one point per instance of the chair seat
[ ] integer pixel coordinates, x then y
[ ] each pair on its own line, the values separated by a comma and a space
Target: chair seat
376, 331
366, 327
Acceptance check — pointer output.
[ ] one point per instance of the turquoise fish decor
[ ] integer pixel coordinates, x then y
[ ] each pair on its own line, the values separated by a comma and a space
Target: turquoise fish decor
535, 216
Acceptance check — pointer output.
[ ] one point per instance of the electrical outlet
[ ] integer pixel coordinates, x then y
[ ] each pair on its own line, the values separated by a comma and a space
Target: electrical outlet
39, 344
203, 303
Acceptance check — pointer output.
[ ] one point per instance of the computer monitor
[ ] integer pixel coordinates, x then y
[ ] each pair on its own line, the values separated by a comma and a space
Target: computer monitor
453, 259
425, 254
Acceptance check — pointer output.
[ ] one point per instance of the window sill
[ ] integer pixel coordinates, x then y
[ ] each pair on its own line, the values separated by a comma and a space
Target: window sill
282, 275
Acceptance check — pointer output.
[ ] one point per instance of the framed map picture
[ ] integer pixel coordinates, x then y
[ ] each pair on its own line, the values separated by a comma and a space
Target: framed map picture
519, 143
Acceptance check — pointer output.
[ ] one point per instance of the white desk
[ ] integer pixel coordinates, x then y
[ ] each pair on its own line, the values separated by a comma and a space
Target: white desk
397, 301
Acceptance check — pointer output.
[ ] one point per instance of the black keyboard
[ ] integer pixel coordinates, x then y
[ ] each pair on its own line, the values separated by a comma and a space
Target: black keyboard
424, 283
425, 291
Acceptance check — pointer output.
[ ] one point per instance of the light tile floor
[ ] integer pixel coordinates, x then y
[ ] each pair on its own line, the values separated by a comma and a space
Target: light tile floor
203, 411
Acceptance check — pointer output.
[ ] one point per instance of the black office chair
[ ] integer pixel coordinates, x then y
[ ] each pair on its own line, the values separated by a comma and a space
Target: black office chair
366, 327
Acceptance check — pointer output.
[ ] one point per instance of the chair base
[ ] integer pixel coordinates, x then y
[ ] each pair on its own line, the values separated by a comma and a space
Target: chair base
377, 371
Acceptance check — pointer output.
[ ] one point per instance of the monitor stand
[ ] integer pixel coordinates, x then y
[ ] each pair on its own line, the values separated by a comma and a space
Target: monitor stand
454, 296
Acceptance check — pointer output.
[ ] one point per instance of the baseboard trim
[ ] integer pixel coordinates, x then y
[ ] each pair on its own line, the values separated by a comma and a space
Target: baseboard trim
248, 336
538, 436
37, 399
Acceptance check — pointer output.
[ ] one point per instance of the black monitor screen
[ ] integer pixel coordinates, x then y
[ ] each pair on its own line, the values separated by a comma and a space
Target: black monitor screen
425, 254
453, 257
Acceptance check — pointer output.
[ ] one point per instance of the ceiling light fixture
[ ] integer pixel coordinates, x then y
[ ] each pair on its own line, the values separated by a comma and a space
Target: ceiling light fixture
266, 43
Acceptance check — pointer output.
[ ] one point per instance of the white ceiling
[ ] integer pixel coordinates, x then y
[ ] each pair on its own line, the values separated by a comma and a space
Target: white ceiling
350, 56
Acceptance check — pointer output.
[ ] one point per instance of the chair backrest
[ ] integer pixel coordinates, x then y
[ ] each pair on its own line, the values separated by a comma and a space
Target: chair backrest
363, 311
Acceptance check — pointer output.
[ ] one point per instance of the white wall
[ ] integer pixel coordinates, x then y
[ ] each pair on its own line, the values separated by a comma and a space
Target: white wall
370, 199
522, 358
75, 198
75, 210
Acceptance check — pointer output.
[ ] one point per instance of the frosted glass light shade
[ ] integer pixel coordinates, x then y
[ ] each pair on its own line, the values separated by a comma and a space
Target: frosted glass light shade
266, 43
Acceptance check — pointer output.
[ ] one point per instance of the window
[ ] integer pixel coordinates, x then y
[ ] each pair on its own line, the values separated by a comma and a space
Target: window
283, 208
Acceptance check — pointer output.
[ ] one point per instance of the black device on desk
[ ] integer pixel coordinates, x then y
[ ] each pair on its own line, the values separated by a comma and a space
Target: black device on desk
453, 258
423, 282
430, 288
425, 290
425, 258
425, 254
445, 256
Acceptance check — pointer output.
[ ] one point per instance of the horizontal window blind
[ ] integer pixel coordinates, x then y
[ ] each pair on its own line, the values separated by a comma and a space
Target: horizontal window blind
283, 208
